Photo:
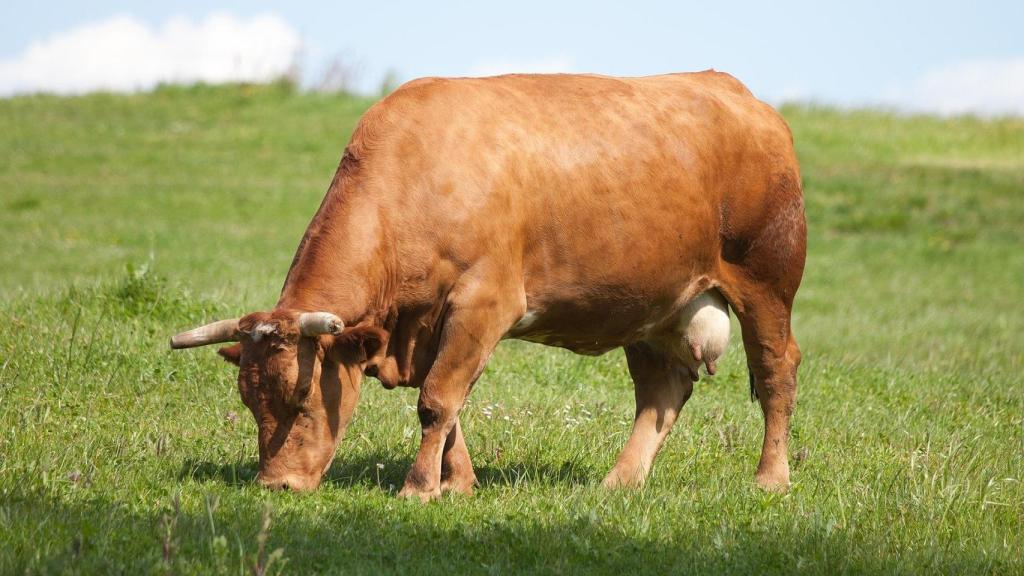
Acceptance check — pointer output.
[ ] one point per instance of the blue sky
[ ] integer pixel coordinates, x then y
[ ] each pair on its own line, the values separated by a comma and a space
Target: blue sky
913, 54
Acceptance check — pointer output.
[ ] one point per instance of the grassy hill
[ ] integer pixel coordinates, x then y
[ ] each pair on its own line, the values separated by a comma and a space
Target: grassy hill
126, 218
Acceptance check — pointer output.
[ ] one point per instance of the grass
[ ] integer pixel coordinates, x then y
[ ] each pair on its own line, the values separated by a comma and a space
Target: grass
126, 218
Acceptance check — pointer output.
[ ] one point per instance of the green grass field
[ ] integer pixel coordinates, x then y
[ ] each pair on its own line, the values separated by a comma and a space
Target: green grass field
126, 218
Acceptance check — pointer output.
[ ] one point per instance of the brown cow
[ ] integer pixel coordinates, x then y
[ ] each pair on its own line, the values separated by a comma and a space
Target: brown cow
579, 211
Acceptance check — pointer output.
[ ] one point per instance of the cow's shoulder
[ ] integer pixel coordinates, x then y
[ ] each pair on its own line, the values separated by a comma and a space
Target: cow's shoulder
394, 113
419, 92
422, 85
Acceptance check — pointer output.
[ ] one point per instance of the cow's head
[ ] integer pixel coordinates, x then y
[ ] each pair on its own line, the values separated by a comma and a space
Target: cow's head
299, 374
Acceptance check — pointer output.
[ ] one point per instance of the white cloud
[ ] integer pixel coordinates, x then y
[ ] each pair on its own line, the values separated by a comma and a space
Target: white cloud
123, 53
557, 63
986, 87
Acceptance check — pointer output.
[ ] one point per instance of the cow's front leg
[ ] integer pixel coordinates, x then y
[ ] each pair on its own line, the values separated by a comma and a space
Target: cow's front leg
469, 337
456, 467
662, 386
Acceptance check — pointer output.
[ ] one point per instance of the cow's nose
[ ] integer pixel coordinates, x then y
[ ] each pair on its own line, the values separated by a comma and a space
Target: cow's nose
292, 483
272, 484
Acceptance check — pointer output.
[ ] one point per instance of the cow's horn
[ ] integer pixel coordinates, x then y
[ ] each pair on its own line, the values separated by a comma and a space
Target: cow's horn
317, 323
220, 331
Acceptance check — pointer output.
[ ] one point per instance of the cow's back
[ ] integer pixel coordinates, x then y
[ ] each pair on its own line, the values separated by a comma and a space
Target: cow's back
600, 193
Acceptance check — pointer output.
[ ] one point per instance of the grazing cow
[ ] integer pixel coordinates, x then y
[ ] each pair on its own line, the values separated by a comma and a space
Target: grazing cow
579, 211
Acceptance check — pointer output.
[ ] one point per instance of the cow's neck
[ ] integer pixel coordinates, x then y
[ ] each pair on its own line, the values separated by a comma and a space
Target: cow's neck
341, 265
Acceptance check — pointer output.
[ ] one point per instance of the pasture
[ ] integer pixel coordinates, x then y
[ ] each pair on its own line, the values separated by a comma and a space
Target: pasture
126, 218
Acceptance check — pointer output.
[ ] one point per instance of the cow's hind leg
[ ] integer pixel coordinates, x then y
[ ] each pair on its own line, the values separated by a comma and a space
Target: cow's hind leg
772, 357
661, 385
761, 268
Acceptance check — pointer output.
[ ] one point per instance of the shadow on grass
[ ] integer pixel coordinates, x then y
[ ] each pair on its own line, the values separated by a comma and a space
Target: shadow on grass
234, 474
388, 472
364, 536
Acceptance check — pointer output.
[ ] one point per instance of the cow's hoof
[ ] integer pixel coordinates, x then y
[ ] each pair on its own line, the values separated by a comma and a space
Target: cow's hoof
459, 485
615, 481
773, 482
424, 495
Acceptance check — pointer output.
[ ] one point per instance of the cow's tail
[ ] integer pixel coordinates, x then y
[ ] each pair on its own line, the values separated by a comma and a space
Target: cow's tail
753, 390
750, 371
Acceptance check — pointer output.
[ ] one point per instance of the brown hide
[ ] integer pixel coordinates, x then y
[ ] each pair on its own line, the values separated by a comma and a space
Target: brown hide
579, 211
599, 204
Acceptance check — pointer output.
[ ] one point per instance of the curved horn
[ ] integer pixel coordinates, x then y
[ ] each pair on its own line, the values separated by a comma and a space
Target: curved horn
317, 323
220, 331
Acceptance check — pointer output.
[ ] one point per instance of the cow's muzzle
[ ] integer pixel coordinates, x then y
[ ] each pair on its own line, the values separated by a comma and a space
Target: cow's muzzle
288, 482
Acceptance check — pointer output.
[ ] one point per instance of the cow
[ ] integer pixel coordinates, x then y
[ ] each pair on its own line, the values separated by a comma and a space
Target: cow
581, 211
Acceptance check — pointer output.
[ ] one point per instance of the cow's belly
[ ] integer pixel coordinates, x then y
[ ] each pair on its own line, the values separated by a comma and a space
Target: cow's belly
693, 330
542, 327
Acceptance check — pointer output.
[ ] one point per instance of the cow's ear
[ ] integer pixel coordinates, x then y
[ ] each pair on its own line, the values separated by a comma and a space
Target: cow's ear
232, 354
360, 344
367, 347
